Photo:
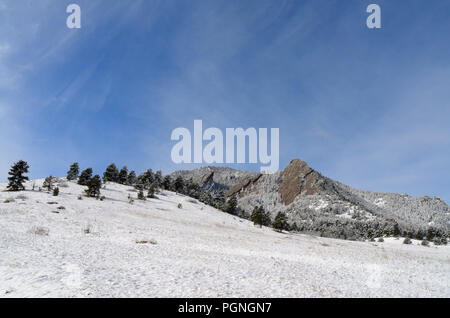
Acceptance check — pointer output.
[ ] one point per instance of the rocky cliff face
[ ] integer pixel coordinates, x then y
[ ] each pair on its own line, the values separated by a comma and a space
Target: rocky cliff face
306, 197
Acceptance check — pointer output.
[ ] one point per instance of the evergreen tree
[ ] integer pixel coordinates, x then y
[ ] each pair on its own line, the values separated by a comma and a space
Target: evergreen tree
167, 183
219, 201
17, 177
85, 176
56, 192
149, 178
141, 195
131, 179
193, 189
94, 185
141, 182
280, 222
256, 216
152, 191
158, 178
111, 173
73, 172
48, 183
232, 205
123, 175
179, 184
260, 217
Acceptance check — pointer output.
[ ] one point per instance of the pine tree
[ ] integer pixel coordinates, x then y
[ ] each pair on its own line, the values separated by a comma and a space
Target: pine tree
17, 177
158, 178
232, 205
111, 173
131, 179
149, 178
141, 195
179, 184
141, 182
94, 185
260, 217
48, 183
167, 183
123, 175
256, 216
219, 201
56, 192
73, 172
85, 176
152, 191
280, 222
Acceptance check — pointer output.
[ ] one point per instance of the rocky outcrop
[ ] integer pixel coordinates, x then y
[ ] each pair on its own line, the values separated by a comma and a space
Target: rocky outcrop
243, 186
298, 178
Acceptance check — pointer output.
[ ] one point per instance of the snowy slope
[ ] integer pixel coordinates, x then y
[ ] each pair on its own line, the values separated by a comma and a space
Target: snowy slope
155, 249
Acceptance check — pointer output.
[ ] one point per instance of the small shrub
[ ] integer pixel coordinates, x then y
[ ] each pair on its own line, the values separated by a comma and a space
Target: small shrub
87, 229
407, 241
52, 202
80, 197
102, 198
371, 239
39, 230
9, 200
61, 208
180, 206
425, 243
56, 192
381, 240
153, 242
141, 195
437, 241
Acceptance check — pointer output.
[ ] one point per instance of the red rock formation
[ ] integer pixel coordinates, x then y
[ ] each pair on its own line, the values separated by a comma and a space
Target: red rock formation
297, 178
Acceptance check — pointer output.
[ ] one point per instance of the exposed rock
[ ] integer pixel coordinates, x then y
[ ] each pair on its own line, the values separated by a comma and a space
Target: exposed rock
243, 186
298, 178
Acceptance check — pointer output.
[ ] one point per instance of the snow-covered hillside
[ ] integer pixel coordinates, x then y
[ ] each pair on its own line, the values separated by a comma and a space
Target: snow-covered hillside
66, 247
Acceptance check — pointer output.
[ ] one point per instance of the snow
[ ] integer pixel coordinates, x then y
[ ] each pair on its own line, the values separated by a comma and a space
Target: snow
321, 204
152, 248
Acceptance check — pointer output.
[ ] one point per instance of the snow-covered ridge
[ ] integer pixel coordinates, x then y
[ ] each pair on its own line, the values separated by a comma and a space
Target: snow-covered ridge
307, 197
65, 247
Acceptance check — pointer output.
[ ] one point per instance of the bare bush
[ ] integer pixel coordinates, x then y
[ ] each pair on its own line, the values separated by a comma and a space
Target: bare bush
39, 230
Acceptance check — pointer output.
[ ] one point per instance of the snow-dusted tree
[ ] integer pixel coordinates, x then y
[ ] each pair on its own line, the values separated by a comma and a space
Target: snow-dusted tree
56, 192
73, 172
280, 222
123, 175
48, 183
17, 177
141, 195
232, 205
94, 185
179, 184
85, 176
167, 183
158, 178
260, 217
219, 201
141, 182
149, 178
111, 173
152, 191
131, 179
192, 189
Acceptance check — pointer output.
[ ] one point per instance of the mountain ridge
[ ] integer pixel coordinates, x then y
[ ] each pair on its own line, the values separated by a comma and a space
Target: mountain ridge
306, 196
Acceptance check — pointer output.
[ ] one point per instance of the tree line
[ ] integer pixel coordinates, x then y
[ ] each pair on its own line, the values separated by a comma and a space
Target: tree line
149, 183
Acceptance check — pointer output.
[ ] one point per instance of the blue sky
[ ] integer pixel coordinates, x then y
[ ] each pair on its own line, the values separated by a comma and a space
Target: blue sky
370, 108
